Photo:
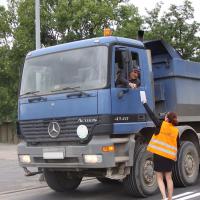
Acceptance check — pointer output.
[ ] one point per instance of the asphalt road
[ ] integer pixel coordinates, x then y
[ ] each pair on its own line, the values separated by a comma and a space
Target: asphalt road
92, 189
14, 186
11, 175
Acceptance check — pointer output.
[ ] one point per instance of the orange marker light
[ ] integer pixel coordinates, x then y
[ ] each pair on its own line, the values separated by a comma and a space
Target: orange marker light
110, 148
107, 32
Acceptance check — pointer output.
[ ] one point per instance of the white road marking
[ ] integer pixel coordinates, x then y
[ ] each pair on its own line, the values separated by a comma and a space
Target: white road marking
182, 195
186, 196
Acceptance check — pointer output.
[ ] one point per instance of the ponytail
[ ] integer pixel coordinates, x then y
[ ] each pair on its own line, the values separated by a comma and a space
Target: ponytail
172, 118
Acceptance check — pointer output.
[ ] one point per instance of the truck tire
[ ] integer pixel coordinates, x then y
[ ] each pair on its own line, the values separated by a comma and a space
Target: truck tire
107, 180
141, 181
186, 169
60, 182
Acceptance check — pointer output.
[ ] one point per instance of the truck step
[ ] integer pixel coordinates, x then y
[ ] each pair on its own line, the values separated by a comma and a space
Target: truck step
119, 140
121, 159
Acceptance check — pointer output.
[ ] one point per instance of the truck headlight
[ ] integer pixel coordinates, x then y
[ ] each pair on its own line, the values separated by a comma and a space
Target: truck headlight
25, 158
82, 131
93, 159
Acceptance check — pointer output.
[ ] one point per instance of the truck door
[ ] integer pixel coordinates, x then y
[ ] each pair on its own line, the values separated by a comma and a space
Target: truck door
127, 108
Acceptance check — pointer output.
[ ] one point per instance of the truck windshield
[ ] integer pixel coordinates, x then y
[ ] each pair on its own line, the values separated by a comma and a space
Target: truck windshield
84, 68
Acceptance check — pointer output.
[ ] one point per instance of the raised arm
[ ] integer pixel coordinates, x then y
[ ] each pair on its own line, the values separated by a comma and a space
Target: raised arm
153, 117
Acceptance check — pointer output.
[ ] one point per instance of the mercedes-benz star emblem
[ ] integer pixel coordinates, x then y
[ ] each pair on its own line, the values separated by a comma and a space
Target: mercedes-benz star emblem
53, 129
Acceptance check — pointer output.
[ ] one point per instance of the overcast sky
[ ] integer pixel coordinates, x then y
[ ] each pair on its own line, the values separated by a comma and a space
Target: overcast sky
150, 4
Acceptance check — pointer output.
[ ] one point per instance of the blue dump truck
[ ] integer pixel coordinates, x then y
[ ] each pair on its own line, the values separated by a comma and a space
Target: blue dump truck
74, 121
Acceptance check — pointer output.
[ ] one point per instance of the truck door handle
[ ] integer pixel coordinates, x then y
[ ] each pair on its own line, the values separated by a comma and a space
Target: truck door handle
122, 93
36, 99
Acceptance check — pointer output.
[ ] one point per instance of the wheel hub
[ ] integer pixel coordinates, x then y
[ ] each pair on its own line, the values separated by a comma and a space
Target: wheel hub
149, 175
189, 164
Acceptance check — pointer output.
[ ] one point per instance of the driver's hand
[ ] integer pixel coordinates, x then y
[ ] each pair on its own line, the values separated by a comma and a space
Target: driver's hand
133, 85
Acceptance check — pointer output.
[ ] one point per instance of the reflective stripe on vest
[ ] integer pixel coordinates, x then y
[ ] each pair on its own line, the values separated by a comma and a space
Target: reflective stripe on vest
165, 143
163, 150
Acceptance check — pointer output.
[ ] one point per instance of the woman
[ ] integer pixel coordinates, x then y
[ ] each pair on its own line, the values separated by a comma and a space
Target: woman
163, 145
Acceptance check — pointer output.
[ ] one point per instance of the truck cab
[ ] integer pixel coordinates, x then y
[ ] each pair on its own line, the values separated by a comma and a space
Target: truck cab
75, 121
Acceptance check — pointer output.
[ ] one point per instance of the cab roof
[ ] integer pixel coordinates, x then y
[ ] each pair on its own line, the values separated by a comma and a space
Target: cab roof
110, 40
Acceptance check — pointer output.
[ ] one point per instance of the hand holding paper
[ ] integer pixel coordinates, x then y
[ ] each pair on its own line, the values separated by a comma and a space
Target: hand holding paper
143, 97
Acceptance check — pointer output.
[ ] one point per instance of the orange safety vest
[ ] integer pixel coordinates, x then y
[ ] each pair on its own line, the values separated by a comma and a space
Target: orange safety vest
165, 143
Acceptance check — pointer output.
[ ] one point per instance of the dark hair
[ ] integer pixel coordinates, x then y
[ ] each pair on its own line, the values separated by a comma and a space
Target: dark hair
172, 117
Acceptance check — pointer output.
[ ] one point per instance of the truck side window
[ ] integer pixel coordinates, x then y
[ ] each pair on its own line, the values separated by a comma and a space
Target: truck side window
127, 76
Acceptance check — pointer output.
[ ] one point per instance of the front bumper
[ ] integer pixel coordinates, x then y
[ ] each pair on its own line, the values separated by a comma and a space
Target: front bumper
74, 155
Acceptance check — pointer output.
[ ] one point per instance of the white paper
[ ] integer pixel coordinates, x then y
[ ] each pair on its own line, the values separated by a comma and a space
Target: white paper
143, 97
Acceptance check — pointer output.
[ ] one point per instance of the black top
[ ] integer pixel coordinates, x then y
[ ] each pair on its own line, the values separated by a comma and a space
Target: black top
153, 117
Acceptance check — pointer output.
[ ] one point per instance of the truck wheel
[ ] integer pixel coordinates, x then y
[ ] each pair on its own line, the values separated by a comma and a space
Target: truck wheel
141, 181
186, 169
60, 182
107, 180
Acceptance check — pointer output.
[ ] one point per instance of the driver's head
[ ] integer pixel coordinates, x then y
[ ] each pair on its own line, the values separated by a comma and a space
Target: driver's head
134, 73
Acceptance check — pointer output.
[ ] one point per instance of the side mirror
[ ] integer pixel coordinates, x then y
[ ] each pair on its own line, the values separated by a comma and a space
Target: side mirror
143, 97
127, 60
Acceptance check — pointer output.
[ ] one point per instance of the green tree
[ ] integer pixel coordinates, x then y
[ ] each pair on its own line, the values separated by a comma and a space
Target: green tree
79, 19
7, 105
128, 21
178, 27
4, 27
62, 20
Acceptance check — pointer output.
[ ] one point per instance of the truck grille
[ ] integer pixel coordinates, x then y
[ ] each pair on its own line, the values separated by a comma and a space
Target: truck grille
37, 130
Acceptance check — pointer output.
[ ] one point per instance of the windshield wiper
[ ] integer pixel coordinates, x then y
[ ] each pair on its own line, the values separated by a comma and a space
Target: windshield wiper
30, 92
73, 89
